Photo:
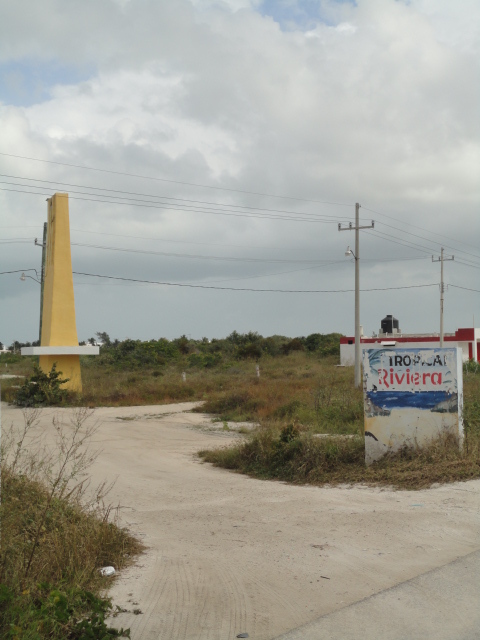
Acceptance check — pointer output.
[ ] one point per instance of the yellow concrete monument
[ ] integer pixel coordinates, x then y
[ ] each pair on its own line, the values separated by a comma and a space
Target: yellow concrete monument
59, 342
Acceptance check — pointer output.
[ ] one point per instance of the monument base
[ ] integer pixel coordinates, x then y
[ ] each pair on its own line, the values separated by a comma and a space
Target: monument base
67, 359
69, 366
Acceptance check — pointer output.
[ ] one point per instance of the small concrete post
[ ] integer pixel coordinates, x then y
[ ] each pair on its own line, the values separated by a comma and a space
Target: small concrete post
184, 376
257, 368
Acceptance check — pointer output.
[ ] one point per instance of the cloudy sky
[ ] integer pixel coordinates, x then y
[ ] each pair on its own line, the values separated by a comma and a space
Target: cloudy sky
219, 143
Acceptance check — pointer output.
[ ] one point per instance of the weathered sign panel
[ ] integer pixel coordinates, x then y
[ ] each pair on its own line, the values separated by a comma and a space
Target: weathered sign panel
410, 397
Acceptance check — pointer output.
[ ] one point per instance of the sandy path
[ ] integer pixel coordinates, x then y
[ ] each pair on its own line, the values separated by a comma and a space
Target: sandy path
228, 554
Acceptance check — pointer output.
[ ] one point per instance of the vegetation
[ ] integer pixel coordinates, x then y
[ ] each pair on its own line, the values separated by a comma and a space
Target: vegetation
299, 389
54, 538
302, 458
297, 377
292, 452
42, 389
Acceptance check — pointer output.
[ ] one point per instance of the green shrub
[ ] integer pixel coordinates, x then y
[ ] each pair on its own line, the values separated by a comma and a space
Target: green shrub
294, 345
471, 366
55, 612
42, 389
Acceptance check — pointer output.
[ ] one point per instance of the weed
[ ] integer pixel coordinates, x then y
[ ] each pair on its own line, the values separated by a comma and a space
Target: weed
54, 538
44, 611
42, 389
297, 456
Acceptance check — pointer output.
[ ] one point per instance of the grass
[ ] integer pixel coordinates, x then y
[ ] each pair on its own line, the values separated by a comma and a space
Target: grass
300, 388
305, 459
54, 539
289, 451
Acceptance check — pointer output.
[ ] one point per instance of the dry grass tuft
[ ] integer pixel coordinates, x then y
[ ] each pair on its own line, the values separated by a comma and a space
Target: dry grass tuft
304, 459
54, 537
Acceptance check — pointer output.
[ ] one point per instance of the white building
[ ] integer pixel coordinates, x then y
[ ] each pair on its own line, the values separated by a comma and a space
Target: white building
466, 339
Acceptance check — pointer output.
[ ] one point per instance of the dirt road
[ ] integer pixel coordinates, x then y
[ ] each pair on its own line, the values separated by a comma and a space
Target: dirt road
228, 554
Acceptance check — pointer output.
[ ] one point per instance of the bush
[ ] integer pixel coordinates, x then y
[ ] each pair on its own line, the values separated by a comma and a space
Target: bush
42, 389
49, 612
251, 350
471, 366
54, 539
294, 345
323, 344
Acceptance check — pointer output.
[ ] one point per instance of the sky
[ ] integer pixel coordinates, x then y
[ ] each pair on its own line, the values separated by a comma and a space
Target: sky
211, 148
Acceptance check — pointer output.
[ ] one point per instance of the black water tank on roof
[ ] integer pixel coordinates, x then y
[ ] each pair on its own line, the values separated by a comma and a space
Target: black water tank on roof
389, 323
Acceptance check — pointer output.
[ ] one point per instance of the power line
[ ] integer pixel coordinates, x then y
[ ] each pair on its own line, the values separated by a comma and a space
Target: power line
217, 212
421, 228
279, 273
15, 241
190, 184
320, 266
390, 238
457, 286
149, 195
467, 264
84, 167
430, 241
17, 271
201, 286
196, 256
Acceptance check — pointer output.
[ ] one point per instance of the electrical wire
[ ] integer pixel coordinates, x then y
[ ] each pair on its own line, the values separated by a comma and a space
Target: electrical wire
190, 184
187, 207
163, 208
390, 238
431, 241
124, 195
15, 241
440, 235
201, 286
153, 239
18, 271
232, 208
467, 264
197, 256
457, 286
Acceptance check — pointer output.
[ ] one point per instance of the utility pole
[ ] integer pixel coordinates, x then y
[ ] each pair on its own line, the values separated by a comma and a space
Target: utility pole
356, 255
42, 277
442, 259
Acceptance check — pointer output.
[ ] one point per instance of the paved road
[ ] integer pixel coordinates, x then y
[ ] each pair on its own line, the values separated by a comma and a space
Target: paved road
442, 604
228, 554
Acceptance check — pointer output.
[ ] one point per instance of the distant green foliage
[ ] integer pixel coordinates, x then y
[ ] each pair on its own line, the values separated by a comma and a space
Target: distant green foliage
8, 357
136, 353
324, 344
204, 360
103, 337
297, 344
471, 366
204, 353
42, 389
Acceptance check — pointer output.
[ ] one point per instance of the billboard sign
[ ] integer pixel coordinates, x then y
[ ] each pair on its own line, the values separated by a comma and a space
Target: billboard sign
410, 397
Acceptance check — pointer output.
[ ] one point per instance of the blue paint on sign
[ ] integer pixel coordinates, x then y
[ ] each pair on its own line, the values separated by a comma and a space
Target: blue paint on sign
404, 399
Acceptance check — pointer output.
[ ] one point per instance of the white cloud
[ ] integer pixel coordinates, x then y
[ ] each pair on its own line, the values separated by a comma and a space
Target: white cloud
380, 106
